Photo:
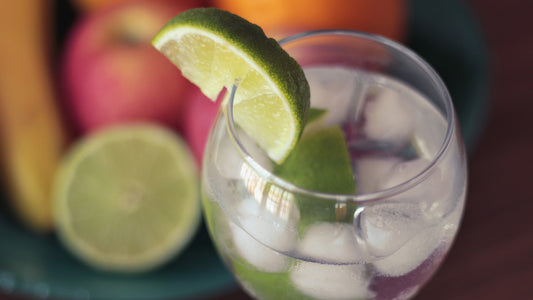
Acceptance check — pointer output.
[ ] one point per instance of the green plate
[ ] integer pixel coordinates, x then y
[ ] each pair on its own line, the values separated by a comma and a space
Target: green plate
39, 266
442, 31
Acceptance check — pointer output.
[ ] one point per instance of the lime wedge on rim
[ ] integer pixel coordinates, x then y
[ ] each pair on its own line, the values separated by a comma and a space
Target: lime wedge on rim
216, 49
126, 198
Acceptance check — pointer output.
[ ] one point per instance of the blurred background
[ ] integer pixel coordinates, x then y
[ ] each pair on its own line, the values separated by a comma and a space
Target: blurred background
69, 68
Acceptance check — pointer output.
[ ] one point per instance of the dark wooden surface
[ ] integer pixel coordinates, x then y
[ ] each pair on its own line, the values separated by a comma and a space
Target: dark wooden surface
493, 254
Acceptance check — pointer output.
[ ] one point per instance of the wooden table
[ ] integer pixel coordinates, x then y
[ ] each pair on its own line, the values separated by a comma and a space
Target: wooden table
493, 254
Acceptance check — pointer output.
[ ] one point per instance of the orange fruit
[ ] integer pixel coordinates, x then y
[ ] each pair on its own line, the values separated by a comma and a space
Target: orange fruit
280, 18
96, 5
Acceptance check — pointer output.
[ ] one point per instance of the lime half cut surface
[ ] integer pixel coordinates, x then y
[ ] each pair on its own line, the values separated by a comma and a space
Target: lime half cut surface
126, 199
215, 49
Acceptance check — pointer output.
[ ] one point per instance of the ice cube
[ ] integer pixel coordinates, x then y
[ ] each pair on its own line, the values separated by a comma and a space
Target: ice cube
332, 89
335, 282
386, 227
332, 243
388, 118
422, 246
229, 161
403, 172
436, 194
429, 128
412, 254
255, 253
371, 170
444, 188
266, 226
270, 219
271, 231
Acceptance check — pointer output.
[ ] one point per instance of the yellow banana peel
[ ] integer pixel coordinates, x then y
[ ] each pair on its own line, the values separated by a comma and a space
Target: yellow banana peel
32, 136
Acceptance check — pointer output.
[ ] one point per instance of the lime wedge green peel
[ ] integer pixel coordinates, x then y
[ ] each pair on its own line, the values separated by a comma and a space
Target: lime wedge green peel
216, 49
268, 286
320, 162
126, 199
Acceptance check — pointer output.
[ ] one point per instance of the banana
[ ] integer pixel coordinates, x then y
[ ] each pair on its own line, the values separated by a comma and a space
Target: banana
32, 135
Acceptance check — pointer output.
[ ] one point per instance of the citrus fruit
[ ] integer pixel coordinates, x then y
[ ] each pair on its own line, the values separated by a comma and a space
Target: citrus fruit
126, 198
315, 120
320, 162
216, 49
281, 17
95, 5
268, 285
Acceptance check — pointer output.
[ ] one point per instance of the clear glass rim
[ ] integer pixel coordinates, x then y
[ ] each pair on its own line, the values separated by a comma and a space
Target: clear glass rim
382, 194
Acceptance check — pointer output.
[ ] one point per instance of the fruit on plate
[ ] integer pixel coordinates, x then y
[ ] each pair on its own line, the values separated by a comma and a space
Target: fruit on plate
281, 18
111, 73
126, 198
32, 136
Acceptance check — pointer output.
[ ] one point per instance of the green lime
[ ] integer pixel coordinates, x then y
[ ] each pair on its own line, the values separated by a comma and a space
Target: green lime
320, 162
215, 49
315, 115
315, 120
265, 285
126, 198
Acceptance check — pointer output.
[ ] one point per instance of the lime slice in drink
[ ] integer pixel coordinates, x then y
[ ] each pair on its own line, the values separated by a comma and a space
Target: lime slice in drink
215, 49
320, 162
126, 198
267, 286
315, 115
315, 120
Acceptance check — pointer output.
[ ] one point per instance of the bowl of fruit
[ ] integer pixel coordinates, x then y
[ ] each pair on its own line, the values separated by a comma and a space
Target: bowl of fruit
102, 138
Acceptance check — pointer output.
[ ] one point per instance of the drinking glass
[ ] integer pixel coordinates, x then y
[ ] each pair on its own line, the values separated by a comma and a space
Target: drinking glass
282, 241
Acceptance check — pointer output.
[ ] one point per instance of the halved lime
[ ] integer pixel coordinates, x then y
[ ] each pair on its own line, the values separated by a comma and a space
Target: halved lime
215, 49
126, 198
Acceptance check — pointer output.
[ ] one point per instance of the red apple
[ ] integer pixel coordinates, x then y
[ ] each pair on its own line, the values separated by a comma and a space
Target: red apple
112, 74
198, 118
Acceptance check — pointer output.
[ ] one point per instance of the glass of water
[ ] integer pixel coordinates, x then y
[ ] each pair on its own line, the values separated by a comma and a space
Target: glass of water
282, 241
